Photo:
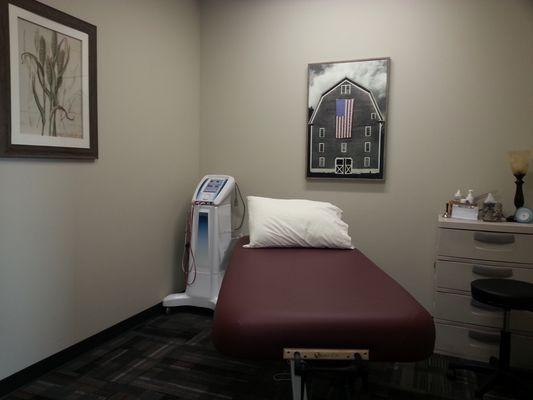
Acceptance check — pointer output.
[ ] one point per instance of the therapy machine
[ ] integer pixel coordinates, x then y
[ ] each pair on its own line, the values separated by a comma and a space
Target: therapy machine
208, 238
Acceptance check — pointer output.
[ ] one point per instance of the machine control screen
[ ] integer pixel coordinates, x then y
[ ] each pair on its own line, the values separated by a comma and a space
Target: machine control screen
214, 185
211, 189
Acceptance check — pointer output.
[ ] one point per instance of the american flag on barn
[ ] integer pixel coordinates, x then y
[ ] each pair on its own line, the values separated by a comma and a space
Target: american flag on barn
343, 118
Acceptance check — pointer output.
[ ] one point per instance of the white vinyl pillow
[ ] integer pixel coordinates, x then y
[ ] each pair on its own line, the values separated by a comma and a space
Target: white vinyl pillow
296, 223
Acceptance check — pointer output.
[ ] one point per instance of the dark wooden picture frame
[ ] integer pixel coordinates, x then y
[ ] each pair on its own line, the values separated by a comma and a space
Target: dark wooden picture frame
346, 119
50, 59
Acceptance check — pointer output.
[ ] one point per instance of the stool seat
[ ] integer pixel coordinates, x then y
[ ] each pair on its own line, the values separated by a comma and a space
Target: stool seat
509, 295
505, 293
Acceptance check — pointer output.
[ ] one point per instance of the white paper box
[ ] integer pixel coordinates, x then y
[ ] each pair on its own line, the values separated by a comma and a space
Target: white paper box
465, 212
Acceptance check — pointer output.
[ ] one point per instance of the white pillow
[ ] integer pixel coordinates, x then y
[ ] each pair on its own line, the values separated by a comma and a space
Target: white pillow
296, 223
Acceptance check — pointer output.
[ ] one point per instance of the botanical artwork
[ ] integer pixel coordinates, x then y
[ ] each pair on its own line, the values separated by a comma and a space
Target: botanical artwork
347, 114
49, 82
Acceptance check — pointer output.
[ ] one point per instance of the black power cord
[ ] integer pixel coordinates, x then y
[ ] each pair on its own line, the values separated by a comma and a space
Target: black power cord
243, 209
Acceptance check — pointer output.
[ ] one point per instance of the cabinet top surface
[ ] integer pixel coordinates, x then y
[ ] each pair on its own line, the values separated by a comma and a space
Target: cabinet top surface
511, 227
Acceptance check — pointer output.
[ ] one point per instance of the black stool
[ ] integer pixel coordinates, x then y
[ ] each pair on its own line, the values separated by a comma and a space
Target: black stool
510, 295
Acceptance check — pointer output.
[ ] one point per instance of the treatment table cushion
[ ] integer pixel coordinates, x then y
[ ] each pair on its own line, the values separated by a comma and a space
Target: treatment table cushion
276, 298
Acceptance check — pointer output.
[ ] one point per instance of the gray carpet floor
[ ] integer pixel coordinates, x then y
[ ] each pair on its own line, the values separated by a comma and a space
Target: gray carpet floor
171, 357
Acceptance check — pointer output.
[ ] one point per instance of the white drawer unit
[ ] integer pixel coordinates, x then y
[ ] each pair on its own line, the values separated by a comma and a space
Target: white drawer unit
470, 250
457, 275
480, 343
497, 246
463, 309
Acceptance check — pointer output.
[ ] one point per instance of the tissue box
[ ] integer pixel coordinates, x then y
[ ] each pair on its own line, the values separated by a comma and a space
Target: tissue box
465, 211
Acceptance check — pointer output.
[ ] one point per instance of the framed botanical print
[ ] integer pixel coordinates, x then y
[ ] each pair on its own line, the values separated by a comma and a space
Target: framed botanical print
347, 119
47, 83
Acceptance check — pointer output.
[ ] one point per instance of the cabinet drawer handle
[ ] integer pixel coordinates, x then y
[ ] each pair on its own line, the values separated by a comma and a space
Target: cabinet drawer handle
492, 272
483, 306
485, 337
493, 238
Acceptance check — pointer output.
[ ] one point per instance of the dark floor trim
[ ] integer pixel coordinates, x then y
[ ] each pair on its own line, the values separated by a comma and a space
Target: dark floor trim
32, 372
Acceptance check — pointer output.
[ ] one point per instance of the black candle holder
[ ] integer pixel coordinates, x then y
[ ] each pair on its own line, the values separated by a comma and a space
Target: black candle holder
519, 194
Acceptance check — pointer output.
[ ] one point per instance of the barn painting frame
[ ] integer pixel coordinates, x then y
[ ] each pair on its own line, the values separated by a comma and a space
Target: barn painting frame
347, 119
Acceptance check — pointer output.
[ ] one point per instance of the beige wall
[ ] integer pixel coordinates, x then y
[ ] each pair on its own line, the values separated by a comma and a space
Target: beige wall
461, 94
85, 245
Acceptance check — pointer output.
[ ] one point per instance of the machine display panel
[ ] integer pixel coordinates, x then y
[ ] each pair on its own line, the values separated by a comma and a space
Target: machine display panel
214, 185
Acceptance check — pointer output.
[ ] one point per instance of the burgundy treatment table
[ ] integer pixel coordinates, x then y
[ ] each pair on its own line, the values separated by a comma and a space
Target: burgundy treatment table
277, 298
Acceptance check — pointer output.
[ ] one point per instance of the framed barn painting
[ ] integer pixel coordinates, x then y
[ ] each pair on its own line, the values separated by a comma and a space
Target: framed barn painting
47, 83
347, 119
